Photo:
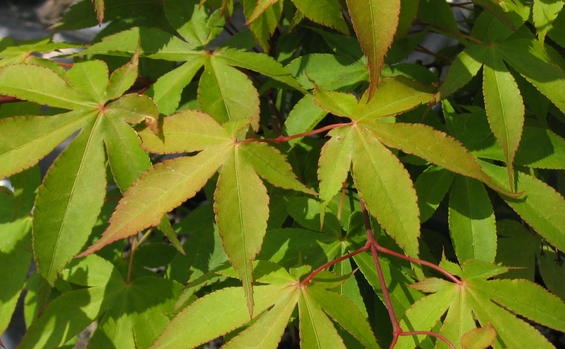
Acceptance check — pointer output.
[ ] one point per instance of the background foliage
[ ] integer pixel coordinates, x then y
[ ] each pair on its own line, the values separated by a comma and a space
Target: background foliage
292, 173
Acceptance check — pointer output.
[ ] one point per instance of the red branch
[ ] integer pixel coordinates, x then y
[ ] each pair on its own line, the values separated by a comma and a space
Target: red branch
282, 139
375, 248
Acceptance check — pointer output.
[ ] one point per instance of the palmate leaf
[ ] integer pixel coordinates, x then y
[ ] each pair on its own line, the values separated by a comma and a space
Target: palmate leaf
496, 302
225, 310
72, 194
241, 201
375, 23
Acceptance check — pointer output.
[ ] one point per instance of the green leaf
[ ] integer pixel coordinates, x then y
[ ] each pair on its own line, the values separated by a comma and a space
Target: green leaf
133, 108
431, 187
152, 42
471, 221
332, 72
69, 202
260, 63
338, 103
462, 70
15, 259
512, 332
241, 204
187, 131
190, 21
64, 318
303, 118
214, 315
423, 315
260, 8
394, 96
263, 26
272, 166
42, 135
528, 57
387, 190
335, 162
540, 206
504, 108
227, 94
157, 191
267, 331
127, 160
346, 313
325, 12
438, 148
541, 148
122, 78
517, 247
544, 14
89, 78
401, 296
316, 329
41, 85
375, 23
166, 91
517, 295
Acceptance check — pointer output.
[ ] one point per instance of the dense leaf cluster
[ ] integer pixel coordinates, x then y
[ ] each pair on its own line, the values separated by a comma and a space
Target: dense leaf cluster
357, 199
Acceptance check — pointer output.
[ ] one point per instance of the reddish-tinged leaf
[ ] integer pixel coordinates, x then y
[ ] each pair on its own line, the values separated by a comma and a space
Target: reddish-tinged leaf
157, 191
187, 131
241, 204
479, 338
325, 12
375, 23
260, 8
99, 7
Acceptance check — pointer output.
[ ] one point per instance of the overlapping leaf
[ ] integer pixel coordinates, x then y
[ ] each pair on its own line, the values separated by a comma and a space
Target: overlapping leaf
72, 194
241, 201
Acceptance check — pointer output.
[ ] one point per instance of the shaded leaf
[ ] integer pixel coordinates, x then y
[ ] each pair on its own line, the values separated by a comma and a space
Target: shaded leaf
471, 221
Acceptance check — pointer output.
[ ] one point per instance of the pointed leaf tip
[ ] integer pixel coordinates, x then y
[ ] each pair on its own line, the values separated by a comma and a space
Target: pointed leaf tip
375, 22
